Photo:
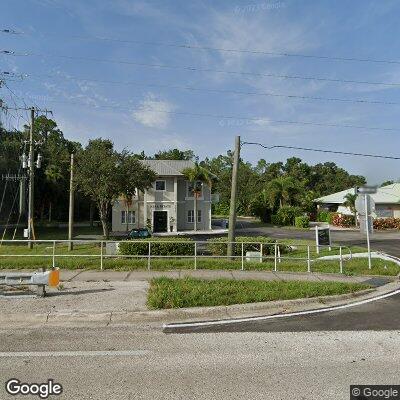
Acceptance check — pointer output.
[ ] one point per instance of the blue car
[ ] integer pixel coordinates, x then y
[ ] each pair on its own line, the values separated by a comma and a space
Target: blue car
141, 233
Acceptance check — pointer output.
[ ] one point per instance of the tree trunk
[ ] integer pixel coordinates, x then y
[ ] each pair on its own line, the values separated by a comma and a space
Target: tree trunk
127, 219
103, 210
91, 214
50, 208
195, 211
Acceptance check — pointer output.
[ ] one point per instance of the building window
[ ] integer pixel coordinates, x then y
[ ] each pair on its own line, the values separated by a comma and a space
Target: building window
160, 185
128, 217
190, 217
195, 187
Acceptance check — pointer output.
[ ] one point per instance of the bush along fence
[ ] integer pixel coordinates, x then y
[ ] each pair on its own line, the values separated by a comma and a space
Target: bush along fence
246, 250
347, 221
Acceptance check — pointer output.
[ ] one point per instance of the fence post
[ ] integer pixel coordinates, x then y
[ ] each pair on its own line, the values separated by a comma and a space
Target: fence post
261, 251
279, 254
54, 254
275, 260
242, 256
195, 255
101, 255
149, 257
308, 259
341, 259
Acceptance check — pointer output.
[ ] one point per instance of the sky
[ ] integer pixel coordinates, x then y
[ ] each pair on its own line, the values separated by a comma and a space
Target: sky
156, 74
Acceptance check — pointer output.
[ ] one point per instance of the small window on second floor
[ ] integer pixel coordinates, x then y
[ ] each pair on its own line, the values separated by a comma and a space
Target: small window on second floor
160, 185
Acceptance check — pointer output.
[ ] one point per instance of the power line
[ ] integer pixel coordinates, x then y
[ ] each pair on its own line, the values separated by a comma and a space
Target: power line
197, 69
347, 153
227, 91
228, 50
232, 117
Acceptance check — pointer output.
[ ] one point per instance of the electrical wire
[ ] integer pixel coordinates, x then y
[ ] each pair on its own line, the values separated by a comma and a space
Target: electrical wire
226, 91
347, 153
197, 69
228, 50
231, 117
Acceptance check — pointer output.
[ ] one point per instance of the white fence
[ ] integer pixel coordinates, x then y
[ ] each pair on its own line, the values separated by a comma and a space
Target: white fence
200, 252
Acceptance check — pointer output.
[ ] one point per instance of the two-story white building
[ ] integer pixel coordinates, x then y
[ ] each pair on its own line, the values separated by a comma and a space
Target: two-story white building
166, 207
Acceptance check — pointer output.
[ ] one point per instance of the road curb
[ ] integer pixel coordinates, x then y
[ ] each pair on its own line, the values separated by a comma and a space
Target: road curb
156, 318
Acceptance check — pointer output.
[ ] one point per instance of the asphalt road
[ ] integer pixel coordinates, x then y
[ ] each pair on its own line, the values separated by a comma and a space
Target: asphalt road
378, 315
388, 242
123, 363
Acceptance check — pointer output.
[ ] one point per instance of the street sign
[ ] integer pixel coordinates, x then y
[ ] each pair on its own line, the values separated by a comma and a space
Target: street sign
322, 237
361, 204
366, 189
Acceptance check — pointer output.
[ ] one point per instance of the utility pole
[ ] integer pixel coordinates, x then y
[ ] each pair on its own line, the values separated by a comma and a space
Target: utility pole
71, 205
31, 167
232, 210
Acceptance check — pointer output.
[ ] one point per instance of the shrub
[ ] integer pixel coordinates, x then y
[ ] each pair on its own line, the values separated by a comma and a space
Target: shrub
275, 220
302, 222
219, 247
323, 216
344, 221
387, 223
287, 214
159, 247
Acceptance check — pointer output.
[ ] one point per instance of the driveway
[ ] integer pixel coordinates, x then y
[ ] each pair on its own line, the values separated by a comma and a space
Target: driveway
388, 241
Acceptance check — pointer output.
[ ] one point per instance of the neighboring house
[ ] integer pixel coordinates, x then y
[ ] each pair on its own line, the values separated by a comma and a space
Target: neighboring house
166, 207
387, 201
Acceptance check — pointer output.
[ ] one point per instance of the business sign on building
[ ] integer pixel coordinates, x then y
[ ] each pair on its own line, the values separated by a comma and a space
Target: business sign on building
160, 206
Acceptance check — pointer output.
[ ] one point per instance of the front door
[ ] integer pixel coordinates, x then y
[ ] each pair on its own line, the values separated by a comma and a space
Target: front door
160, 221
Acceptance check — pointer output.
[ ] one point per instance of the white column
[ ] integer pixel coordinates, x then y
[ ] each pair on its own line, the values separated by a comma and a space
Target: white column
145, 209
176, 203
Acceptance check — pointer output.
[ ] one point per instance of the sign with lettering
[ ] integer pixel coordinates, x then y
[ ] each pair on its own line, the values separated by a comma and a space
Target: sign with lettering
160, 206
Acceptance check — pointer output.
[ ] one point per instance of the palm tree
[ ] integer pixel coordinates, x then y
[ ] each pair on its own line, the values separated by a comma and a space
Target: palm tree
197, 176
350, 202
282, 190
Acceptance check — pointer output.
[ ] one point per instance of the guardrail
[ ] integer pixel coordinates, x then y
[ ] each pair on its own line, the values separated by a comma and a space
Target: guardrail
41, 279
199, 252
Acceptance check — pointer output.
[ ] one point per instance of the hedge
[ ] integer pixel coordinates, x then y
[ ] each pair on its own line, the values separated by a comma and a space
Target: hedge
159, 247
302, 222
323, 216
344, 221
286, 215
387, 223
217, 247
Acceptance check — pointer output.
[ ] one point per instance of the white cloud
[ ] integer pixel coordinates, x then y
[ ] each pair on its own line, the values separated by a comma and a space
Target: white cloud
154, 112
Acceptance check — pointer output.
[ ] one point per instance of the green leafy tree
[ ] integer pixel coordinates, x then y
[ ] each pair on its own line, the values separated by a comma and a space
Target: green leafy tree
103, 174
175, 154
282, 191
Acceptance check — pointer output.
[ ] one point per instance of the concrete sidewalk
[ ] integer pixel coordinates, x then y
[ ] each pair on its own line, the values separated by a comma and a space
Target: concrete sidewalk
145, 275
116, 297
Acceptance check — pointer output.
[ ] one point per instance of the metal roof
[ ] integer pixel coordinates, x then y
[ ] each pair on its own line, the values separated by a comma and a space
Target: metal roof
389, 194
168, 167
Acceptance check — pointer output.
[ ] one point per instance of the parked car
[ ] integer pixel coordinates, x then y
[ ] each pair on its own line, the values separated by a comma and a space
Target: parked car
141, 233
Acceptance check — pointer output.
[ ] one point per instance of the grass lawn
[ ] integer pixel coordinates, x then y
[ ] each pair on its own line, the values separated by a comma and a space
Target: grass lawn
190, 292
52, 232
87, 256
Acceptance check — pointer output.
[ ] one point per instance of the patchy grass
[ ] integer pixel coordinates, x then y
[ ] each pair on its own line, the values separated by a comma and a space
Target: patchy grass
190, 292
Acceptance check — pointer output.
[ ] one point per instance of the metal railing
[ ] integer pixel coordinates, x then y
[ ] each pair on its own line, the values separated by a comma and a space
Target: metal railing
262, 252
